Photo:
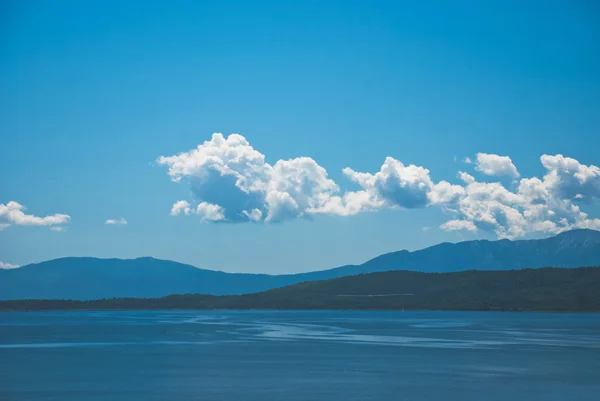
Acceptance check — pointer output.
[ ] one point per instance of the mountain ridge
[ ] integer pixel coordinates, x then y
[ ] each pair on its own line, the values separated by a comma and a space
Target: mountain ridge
94, 278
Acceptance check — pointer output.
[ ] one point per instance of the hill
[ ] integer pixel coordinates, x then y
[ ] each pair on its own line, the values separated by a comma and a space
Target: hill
91, 278
546, 289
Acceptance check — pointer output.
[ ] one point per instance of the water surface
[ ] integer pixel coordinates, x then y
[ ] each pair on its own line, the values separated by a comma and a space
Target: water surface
312, 355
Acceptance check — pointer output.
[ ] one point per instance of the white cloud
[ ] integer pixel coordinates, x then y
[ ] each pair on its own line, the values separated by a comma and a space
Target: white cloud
116, 222
569, 179
209, 212
538, 205
398, 185
230, 173
466, 178
180, 207
231, 181
490, 164
454, 225
7, 266
468, 160
14, 213
425, 228
253, 215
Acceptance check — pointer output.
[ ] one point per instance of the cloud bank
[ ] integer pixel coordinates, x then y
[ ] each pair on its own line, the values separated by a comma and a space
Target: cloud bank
230, 181
13, 213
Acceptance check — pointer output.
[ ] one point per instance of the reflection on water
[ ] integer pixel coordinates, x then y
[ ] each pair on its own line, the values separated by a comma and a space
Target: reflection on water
316, 355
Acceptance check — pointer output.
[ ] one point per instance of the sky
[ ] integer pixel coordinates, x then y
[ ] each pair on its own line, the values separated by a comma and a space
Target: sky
291, 136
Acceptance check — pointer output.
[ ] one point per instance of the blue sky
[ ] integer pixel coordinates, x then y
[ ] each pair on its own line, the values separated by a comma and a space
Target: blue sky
94, 93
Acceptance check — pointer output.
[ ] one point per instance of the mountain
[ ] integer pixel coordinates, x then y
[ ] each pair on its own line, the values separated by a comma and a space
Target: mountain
545, 289
569, 249
91, 278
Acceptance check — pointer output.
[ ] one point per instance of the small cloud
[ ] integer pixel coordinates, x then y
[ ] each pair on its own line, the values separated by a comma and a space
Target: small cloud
7, 266
58, 229
455, 225
425, 228
120, 222
468, 160
180, 207
495, 165
466, 177
254, 215
14, 213
454, 158
210, 212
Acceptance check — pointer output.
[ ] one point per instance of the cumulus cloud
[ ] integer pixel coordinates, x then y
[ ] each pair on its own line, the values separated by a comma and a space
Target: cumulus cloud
231, 181
230, 173
538, 205
180, 207
206, 211
490, 164
116, 222
569, 179
396, 185
7, 266
13, 213
209, 212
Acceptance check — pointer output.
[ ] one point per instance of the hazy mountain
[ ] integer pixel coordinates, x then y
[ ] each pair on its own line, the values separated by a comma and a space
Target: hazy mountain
91, 278
545, 289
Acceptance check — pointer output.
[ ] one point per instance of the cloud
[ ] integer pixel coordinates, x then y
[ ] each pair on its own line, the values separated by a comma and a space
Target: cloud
399, 186
490, 164
230, 181
115, 222
569, 179
538, 205
59, 229
206, 211
425, 228
230, 173
253, 215
180, 207
13, 213
454, 225
7, 266
466, 177
209, 212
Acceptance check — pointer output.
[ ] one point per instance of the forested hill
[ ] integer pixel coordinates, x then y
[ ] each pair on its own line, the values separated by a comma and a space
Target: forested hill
546, 289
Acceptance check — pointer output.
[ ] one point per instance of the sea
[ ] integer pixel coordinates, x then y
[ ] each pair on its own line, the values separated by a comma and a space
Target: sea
299, 355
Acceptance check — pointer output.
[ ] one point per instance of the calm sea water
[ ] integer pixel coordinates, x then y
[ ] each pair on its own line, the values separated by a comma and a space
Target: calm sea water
199, 355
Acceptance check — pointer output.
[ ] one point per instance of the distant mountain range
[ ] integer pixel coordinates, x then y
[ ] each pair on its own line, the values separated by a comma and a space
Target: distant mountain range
92, 278
545, 289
